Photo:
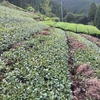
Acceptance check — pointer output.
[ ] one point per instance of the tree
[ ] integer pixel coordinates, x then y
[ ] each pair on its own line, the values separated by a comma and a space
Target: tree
69, 17
46, 7
97, 18
83, 20
92, 12
55, 8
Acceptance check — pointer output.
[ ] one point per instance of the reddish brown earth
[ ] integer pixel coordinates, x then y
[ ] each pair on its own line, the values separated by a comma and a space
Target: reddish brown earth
84, 83
92, 39
17, 44
46, 31
1, 76
75, 44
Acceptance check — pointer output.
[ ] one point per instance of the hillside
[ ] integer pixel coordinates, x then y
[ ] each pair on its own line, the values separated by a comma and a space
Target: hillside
47, 60
77, 5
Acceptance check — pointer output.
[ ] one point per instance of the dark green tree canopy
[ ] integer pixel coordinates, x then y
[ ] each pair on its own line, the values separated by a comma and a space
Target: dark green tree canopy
97, 18
47, 7
92, 12
69, 17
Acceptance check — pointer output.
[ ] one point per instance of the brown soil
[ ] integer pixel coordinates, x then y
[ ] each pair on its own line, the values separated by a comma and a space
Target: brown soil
46, 31
84, 83
1, 76
17, 44
75, 44
92, 39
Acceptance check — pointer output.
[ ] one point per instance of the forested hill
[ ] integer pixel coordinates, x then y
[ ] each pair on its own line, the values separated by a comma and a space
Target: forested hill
77, 5
46, 7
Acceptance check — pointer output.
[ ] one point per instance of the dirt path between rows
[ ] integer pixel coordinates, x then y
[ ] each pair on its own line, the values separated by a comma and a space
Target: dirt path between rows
92, 39
84, 83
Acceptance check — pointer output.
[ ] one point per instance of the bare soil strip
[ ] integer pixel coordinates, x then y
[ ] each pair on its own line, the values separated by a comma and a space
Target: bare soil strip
84, 83
92, 39
46, 31
1, 76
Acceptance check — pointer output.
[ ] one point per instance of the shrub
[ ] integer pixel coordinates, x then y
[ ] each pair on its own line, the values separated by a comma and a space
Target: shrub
31, 9
69, 17
47, 19
56, 19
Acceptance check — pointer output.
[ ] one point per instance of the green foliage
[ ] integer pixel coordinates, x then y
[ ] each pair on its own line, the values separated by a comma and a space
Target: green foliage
16, 26
2, 29
93, 30
37, 68
82, 19
61, 25
56, 19
71, 27
97, 18
66, 26
76, 18
40, 71
89, 55
31, 9
47, 19
92, 12
7, 4
69, 17
55, 8
80, 28
50, 23
46, 7
77, 5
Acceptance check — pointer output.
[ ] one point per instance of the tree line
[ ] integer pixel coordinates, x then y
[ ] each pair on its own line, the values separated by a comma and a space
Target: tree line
46, 7
92, 17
